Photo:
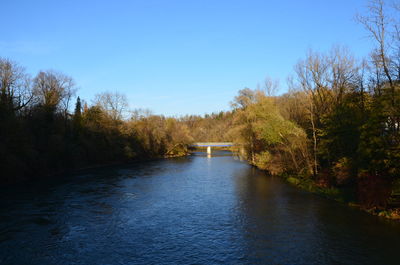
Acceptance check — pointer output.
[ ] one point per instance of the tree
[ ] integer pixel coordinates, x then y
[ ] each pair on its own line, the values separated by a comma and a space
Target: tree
325, 79
77, 118
271, 86
380, 26
15, 88
379, 149
245, 98
114, 104
54, 90
15, 95
269, 140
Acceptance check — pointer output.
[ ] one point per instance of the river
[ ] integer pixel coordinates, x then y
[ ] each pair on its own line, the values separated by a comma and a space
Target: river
192, 210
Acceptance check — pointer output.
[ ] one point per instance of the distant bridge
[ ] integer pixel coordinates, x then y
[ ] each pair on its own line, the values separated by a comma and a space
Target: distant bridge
213, 144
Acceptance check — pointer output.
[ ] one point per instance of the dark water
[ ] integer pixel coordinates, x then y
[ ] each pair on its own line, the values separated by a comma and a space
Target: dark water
194, 210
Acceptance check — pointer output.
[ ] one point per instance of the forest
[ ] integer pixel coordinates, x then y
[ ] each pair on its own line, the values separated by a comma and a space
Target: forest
336, 130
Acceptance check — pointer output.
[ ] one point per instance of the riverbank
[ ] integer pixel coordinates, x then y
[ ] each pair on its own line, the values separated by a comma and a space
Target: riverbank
339, 195
343, 195
25, 180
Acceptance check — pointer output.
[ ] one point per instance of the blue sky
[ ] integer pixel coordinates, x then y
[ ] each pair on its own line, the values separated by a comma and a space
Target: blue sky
175, 57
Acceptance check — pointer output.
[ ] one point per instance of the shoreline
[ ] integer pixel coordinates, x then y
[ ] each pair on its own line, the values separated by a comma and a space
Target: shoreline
62, 174
308, 185
336, 194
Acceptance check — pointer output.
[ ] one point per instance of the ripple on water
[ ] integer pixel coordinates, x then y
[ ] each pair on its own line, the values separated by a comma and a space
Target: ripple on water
194, 210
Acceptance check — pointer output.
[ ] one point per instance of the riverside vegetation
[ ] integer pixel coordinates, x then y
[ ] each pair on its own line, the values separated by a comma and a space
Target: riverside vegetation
335, 132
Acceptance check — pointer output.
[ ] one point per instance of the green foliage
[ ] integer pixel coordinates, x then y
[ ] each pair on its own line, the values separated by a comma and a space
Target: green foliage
269, 141
379, 148
293, 180
340, 130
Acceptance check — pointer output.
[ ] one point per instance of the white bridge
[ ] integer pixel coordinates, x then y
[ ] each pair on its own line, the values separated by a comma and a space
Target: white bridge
213, 144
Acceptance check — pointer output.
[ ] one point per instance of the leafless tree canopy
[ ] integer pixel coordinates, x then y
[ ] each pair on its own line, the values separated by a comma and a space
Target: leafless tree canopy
53, 89
138, 114
15, 85
114, 104
271, 86
382, 24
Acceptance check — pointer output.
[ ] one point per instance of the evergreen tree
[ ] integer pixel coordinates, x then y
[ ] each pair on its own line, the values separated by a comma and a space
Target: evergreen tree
77, 119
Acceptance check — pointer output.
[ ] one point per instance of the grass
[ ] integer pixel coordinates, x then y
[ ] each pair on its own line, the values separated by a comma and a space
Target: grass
309, 185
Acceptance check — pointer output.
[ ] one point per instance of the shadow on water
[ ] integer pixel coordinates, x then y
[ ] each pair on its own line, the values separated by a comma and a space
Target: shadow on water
296, 227
191, 210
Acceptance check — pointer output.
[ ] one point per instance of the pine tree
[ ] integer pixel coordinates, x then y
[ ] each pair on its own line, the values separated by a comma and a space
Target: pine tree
77, 119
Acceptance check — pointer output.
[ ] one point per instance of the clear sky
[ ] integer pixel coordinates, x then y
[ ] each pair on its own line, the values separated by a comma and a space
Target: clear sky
175, 57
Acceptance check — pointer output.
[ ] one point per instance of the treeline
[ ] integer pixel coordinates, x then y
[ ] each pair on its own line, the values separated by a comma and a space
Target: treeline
212, 127
39, 136
339, 125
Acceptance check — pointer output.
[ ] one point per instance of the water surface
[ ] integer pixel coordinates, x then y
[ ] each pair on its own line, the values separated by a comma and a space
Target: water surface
194, 210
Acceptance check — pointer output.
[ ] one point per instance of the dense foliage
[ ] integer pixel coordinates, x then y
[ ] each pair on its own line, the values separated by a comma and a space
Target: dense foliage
338, 127
39, 136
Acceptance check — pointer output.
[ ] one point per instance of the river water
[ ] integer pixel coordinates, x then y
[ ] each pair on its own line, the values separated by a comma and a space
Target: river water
193, 210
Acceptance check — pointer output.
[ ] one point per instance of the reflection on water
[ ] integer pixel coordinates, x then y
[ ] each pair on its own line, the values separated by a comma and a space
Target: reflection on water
194, 210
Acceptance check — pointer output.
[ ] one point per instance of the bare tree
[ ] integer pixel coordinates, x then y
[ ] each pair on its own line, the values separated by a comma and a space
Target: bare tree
396, 39
380, 26
271, 86
15, 86
313, 77
55, 90
138, 114
343, 72
114, 104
